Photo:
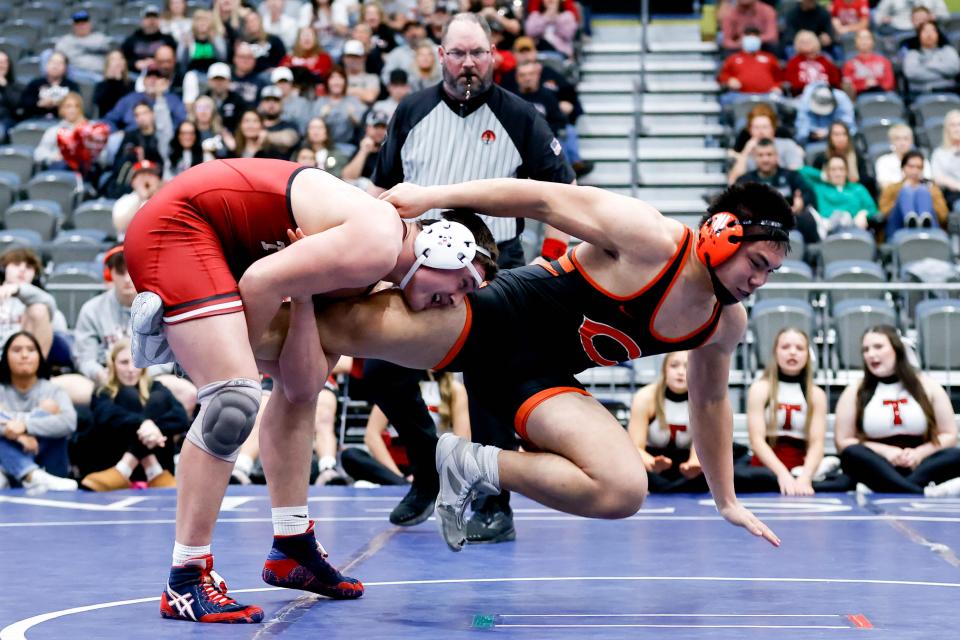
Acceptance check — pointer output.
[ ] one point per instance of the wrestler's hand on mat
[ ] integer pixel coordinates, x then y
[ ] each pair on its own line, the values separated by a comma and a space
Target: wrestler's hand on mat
410, 199
736, 513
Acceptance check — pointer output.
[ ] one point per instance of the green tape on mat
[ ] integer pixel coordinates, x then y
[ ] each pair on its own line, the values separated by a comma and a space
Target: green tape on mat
483, 622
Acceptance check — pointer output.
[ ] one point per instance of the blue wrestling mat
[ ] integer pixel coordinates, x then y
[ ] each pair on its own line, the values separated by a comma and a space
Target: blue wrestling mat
92, 566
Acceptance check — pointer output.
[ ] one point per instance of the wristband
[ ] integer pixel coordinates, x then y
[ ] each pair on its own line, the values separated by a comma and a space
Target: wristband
552, 248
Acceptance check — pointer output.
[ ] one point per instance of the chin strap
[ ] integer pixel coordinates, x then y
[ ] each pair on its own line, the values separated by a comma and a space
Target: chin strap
460, 256
724, 297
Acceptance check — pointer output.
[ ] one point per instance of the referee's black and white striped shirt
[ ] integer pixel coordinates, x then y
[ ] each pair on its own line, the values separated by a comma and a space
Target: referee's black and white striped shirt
434, 139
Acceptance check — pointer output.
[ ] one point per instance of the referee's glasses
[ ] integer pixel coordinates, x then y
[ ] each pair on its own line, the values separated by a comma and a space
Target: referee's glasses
460, 56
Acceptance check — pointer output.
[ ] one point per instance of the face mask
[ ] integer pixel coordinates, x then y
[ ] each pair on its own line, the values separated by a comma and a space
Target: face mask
751, 44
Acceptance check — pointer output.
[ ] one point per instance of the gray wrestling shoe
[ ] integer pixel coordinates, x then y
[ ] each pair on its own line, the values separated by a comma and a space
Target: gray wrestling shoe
148, 345
467, 470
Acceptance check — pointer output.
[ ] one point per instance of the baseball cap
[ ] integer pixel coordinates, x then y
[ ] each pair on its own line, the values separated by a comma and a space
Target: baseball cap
524, 43
154, 70
281, 74
219, 70
399, 76
822, 102
80, 16
377, 118
145, 166
354, 48
271, 92
150, 10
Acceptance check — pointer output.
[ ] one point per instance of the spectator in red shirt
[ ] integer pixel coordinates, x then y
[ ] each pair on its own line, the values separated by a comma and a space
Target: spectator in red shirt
809, 65
746, 13
850, 16
750, 70
310, 62
867, 71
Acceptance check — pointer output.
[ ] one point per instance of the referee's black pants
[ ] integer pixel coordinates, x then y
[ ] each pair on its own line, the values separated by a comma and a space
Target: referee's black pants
396, 390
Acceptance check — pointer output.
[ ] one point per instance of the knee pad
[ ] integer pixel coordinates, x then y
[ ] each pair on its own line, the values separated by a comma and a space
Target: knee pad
228, 411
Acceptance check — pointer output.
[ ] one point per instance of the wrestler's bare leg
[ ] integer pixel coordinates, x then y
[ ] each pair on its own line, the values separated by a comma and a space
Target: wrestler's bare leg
588, 466
209, 350
286, 439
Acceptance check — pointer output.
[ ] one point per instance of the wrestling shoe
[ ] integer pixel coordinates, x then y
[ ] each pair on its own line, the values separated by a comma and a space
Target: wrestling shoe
415, 507
491, 523
195, 592
467, 470
300, 562
147, 343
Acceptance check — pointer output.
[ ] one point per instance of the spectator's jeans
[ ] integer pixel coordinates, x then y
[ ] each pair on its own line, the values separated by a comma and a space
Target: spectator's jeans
911, 199
571, 144
52, 456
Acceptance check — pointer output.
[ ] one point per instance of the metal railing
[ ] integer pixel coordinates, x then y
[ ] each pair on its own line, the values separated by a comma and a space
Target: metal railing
639, 89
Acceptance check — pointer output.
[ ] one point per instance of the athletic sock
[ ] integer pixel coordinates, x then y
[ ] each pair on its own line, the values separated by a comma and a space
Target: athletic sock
327, 462
182, 552
152, 471
125, 469
244, 463
290, 521
489, 465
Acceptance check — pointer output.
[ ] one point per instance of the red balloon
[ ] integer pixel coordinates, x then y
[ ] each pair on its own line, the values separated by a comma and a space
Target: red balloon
81, 145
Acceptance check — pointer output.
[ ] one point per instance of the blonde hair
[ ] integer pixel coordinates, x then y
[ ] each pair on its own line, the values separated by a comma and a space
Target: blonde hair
216, 26
445, 410
952, 114
75, 97
660, 393
898, 128
112, 385
772, 375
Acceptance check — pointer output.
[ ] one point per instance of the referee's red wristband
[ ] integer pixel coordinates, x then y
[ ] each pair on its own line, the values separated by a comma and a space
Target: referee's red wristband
553, 248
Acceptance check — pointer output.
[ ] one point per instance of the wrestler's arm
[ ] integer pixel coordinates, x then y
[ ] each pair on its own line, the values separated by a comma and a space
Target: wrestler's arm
711, 419
376, 326
602, 218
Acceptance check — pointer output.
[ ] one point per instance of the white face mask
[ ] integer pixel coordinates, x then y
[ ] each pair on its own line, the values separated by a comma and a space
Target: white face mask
751, 43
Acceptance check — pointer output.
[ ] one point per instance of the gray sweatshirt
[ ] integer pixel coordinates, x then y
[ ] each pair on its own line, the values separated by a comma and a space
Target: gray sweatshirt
927, 69
25, 406
12, 309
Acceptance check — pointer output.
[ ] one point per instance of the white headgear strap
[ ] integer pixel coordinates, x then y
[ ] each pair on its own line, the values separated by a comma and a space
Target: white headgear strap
445, 244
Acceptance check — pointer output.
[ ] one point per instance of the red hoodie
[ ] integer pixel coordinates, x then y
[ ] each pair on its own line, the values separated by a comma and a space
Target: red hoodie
801, 71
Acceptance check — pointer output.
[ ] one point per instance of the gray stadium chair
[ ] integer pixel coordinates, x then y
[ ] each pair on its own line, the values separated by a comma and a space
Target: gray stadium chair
848, 244
42, 216
9, 188
790, 271
872, 106
123, 27
42, 12
73, 283
95, 214
769, 316
851, 318
854, 271
19, 238
933, 106
812, 150
27, 68
63, 187
78, 245
739, 109
13, 46
798, 246
938, 326
916, 244
17, 159
29, 30
29, 132
930, 135
875, 130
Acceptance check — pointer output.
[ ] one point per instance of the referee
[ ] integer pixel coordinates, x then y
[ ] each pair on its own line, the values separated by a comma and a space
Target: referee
465, 128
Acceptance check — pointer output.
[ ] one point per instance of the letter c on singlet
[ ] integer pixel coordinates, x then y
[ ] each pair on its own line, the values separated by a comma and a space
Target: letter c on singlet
590, 329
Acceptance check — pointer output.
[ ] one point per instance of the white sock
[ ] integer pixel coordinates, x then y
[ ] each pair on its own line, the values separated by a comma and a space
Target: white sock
152, 471
244, 463
490, 465
124, 469
182, 553
327, 462
290, 521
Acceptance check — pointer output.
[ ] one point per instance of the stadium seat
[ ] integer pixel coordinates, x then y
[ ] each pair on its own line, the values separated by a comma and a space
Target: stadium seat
874, 130
873, 106
42, 12
938, 328
73, 283
95, 214
9, 188
63, 187
798, 246
27, 68
848, 244
17, 159
790, 271
123, 27
42, 216
934, 106
917, 244
812, 150
852, 271
930, 134
29, 30
19, 238
13, 46
769, 316
851, 318
77, 245
738, 110
29, 132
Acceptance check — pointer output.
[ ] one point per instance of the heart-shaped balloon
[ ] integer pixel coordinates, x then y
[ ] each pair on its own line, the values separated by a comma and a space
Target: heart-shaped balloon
81, 145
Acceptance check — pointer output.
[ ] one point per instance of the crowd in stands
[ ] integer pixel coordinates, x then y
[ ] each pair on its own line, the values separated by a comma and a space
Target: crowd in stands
845, 89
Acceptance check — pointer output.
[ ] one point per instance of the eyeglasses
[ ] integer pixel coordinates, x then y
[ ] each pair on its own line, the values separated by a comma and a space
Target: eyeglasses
458, 55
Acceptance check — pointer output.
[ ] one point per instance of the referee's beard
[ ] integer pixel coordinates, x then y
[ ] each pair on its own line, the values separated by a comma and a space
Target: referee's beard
467, 84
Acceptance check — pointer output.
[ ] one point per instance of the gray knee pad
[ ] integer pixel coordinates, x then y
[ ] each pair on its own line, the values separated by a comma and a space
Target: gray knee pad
228, 411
